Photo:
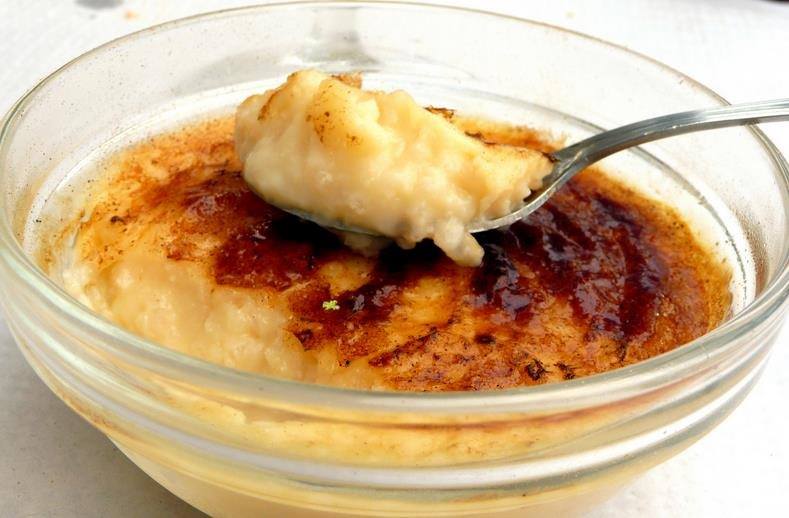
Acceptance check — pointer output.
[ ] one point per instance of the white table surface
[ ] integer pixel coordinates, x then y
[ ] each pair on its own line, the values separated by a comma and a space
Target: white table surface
53, 464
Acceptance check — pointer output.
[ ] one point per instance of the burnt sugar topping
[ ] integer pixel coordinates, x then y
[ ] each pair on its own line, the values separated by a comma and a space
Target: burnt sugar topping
597, 278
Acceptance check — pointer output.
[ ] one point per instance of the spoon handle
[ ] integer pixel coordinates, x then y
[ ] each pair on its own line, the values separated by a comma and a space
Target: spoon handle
597, 147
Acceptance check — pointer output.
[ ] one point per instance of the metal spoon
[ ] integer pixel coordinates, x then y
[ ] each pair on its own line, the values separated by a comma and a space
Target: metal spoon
573, 159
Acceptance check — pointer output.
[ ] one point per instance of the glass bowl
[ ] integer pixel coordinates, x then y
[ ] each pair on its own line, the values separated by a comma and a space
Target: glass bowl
236, 444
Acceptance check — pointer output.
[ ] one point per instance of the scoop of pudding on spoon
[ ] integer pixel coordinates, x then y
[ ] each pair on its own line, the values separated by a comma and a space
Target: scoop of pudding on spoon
371, 164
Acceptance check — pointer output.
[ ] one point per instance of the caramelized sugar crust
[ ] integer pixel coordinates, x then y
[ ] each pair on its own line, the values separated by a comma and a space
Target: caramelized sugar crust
596, 279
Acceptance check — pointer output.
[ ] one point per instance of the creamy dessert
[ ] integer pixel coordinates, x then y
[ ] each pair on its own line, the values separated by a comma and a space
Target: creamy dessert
174, 245
379, 161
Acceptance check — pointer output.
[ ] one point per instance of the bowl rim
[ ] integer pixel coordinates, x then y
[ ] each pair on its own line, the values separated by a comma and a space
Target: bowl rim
616, 384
